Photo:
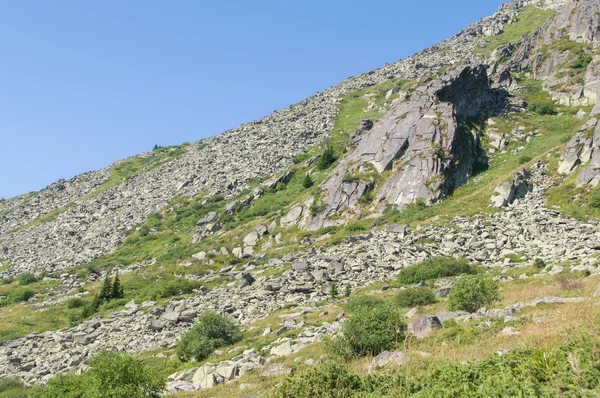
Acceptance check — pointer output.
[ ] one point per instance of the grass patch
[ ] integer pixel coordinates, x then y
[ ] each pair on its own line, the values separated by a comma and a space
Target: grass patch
528, 21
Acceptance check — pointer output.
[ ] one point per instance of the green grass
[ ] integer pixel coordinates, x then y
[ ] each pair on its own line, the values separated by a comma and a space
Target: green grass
528, 22
128, 168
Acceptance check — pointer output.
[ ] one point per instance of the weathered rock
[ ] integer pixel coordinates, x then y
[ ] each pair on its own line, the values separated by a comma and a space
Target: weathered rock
507, 192
388, 358
424, 325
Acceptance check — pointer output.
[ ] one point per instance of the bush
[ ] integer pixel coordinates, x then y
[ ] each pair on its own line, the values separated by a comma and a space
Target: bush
525, 159
27, 279
7, 280
211, 332
327, 158
434, 268
75, 302
542, 107
415, 296
112, 375
568, 281
307, 182
539, 263
473, 292
370, 330
12, 388
19, 296
595, 198
363, 301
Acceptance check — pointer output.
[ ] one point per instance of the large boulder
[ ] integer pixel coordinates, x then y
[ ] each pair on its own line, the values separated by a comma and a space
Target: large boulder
508, 192
424, 325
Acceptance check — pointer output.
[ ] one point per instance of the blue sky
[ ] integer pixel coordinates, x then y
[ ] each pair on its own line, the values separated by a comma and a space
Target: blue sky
86, 83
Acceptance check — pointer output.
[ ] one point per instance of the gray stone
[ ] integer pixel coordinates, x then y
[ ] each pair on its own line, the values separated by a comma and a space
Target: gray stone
424, 325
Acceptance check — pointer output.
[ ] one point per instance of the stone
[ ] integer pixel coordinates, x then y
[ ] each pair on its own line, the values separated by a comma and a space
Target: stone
442, 292
251, 239
204, 377
395, 358
424, 325
282, 350
292, 217
507, 192
277, 369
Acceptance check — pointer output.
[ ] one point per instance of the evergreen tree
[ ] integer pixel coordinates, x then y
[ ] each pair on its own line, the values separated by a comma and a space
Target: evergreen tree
106, 290
347, 291
117, 289
308, 181
333, 290
327, 158
92, 307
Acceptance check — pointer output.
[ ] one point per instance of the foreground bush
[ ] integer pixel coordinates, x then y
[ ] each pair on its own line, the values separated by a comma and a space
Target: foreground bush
112, 375
415, 296
12, 388
434, 268
370, 330
211, 332
568, 371
473, 292
542, 107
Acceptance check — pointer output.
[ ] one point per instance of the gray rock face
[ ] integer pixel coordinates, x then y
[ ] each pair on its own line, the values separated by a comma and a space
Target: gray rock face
422, 140
508, 192
394, 358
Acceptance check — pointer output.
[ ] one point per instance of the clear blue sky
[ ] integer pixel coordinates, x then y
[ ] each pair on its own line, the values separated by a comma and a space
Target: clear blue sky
86, 83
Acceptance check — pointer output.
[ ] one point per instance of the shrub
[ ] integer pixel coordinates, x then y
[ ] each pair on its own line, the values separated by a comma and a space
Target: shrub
363, 301
415, 296
211, 332
112, 375
7, 280
473, 292
582, 61
307, 182
75, 302
539, 263
542, 107
327, 158
27, 279
434, 268
595, 198
370, 330
525, 159
12, 388
20, 295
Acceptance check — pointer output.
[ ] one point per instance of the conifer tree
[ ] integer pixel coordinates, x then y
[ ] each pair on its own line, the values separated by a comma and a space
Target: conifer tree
106, 290
117, 288
308, 181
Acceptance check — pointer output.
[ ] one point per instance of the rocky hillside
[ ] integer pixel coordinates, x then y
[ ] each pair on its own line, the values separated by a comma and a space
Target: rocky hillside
484, 147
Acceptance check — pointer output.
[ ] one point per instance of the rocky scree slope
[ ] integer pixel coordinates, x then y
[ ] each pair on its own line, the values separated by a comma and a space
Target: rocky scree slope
427, 143
91, 226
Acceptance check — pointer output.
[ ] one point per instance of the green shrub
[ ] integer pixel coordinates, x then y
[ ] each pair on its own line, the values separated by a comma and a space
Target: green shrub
542, 107
112, 375
539, 263
582, 61
595, 198
327, 158
370, 330
19, 296
211, 332
434, 268
470, 293
415, 296
525, 159
27, 279
75, 302
363, 301
7, 280
307, 182
12, 388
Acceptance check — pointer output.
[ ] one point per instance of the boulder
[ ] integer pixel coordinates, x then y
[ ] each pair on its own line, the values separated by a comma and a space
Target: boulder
395, 358
508, 192
424, 325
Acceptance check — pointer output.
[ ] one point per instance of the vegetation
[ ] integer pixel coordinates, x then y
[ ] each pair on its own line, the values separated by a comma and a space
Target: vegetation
434, 268
529, 20
569, 370
328, 157
542, 107
112, 375
369, 331
473, 292
415, 296
27, 278
211, 332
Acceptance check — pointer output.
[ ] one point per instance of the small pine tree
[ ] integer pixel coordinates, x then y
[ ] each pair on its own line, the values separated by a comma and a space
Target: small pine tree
106, 290
155, 147
327, 158
333, 290
347, 290
308, 181
117, 289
